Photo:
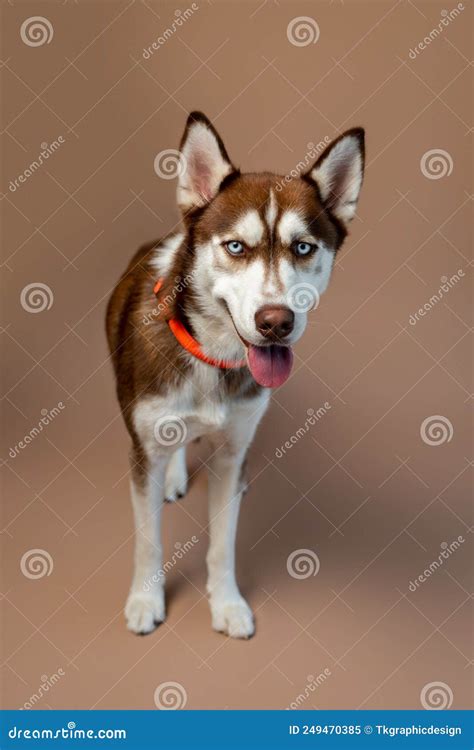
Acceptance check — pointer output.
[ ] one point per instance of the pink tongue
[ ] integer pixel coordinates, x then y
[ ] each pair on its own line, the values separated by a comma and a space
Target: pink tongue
270, 365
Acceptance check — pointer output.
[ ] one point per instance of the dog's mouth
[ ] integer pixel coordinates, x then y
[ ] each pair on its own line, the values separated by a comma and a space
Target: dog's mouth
271, 364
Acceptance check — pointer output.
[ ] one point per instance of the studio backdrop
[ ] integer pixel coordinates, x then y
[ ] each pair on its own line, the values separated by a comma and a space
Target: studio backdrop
354, 537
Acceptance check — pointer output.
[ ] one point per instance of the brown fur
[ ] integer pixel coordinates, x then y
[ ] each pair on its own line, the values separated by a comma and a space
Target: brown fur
147, 358
149, 361
254, 190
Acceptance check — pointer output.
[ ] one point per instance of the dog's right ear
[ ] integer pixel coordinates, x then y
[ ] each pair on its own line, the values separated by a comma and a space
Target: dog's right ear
205, 163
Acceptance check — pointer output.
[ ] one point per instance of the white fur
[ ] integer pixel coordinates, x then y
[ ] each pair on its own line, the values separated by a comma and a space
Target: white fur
249, 228
176, 479
247, 289
196, 409
146, 603
230, 427
191, 405
165, 254
325, 262
271, 211
291, 227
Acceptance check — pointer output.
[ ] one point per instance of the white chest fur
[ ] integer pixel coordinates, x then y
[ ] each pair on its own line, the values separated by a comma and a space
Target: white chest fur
166, 422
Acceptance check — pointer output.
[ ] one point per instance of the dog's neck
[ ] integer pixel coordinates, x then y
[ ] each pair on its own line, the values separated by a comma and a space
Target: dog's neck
205, 317
212, 326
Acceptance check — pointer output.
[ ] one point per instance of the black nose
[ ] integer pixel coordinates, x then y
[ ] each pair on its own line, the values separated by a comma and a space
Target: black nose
274, 321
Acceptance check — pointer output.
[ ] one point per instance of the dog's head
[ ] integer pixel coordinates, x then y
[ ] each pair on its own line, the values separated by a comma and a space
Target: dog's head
264, 245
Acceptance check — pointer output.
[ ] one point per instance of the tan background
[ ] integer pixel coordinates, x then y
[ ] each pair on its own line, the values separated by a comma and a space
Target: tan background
360, 489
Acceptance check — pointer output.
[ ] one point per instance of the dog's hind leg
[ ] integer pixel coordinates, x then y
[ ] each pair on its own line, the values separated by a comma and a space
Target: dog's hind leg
145, 607
176, 482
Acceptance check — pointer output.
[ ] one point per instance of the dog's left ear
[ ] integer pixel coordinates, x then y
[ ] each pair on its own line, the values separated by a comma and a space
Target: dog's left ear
339, 172
205, 163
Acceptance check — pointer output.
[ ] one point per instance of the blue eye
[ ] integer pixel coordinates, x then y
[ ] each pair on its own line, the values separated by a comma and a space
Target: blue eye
234, 247
303, 248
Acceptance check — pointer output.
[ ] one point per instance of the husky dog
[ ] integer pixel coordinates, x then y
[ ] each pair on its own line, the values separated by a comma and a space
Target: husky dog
200, 328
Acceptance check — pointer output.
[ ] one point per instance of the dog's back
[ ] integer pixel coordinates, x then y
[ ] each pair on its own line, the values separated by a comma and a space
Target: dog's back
124, 299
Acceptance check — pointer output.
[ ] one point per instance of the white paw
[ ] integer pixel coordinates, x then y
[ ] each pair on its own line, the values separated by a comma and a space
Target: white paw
176, 480
144, 612
233, 617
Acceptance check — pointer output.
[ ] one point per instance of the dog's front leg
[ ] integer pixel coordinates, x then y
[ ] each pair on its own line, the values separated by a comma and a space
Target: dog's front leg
145, 606
230, 612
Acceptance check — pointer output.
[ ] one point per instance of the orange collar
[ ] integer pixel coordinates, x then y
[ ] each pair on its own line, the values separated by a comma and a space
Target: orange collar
192, 346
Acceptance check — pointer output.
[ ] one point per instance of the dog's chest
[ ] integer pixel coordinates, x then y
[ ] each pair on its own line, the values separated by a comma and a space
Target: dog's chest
182, 416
